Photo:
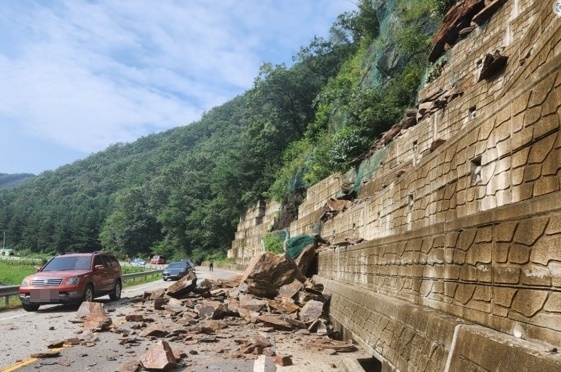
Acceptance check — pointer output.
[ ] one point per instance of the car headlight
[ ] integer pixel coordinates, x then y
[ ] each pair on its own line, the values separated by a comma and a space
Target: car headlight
73, 281
25, 282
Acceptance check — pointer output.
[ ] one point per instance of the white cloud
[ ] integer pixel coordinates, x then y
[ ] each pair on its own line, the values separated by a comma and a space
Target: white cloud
85, 74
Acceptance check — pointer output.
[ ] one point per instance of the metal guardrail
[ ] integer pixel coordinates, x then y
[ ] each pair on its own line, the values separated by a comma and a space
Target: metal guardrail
13, 290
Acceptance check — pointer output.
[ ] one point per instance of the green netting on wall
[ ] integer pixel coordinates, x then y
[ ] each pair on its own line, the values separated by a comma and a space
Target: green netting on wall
385, 11
317, 228
295, 246
366, 169
385, 55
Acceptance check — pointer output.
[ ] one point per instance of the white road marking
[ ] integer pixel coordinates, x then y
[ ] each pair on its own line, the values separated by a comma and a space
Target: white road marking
12, 317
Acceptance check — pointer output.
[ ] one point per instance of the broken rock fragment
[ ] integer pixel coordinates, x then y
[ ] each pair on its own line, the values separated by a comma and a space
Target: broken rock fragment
291, 289
203, 287
183, 286
287, 306
311, 311
174, 306
55, 344
274, 321
158, 357
152, 295
283, 360
130, 366
306, 258
250, 303
94, 316
210, 310
154, 331
339, 346
134, 318
46, 354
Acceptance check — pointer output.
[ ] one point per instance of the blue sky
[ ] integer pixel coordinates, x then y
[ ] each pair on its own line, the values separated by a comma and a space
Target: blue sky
77, 76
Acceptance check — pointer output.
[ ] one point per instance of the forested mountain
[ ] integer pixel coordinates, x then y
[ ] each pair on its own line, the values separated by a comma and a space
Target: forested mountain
181, 192
8, 181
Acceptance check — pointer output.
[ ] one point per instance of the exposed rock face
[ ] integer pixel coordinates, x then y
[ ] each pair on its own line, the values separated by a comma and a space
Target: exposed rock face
491, 7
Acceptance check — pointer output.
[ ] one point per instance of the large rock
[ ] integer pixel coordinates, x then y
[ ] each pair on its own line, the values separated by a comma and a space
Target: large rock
311, 311
306, 258
183, 286
290, 290
174, 306
159, 357
252, 304
155, 331
94, 316
266, 273
210, 310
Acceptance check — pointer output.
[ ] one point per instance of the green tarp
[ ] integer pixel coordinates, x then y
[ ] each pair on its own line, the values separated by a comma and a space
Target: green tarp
295, 246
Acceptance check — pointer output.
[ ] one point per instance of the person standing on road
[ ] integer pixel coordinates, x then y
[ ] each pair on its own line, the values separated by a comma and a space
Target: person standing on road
211, 266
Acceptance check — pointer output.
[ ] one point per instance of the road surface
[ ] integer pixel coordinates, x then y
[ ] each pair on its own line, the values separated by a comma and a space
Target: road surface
23, 334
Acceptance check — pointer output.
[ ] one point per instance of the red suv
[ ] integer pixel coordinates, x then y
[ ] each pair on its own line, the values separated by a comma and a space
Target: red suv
72, 278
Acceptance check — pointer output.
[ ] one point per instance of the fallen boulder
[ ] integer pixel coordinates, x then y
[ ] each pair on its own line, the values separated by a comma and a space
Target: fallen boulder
94, 316
183, 286
159, 357
268, 272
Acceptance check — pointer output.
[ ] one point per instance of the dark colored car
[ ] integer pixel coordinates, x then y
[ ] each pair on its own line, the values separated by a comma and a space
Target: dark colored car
72, 278
176, 270
189, 262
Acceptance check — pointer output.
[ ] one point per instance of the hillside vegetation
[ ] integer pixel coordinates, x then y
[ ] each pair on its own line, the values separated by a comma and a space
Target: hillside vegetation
181, 193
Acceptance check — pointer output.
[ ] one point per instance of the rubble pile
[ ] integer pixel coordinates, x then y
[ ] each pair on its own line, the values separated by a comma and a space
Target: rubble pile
239, 318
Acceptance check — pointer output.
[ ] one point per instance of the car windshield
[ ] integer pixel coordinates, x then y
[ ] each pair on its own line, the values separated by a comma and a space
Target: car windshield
68, 263
176, 265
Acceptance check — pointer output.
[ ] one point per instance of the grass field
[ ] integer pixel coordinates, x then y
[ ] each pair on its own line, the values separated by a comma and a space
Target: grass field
12, 272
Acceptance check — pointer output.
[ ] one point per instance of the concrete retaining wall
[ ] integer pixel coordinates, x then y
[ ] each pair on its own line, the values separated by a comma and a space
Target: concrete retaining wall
460, 269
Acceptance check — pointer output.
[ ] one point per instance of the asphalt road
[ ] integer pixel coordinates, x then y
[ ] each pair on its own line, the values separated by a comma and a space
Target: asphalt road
23, 334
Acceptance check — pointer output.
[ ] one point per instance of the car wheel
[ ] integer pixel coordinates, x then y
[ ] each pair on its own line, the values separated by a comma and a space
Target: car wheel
116, 294
30, 307
88, 293
165, 279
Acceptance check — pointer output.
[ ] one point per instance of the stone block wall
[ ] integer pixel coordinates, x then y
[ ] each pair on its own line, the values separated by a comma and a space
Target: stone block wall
251, 229
460, 269
497, 139
500, 269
